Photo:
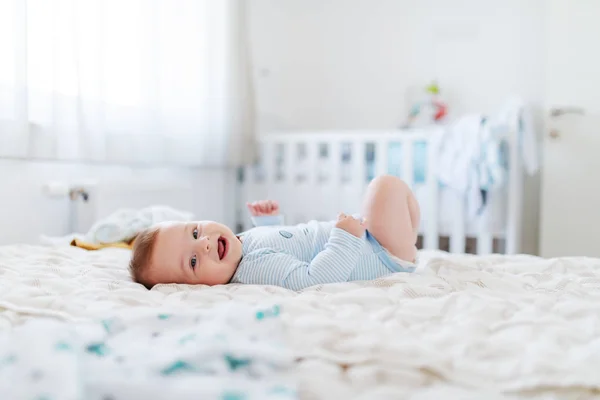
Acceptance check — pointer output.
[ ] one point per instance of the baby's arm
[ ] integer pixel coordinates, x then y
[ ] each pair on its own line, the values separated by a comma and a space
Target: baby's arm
333, 264
265, 213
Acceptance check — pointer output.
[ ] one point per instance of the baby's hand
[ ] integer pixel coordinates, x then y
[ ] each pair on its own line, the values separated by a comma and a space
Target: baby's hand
351, 225
263, 208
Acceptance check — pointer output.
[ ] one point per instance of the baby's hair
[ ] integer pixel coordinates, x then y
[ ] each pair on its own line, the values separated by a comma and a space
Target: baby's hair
143, 247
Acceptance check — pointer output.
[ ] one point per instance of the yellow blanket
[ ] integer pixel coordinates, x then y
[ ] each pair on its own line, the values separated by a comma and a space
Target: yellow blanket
96, 246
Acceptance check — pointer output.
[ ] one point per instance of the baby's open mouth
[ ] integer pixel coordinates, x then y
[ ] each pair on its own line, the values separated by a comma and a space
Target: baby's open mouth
222, 248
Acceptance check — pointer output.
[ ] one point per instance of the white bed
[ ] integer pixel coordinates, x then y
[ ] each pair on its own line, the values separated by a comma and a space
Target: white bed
468, 327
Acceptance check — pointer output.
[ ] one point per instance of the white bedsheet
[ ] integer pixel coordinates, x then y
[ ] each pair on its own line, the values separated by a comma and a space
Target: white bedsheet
460, 327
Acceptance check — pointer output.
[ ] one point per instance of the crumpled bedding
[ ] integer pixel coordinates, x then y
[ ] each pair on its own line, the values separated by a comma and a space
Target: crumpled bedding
461, 326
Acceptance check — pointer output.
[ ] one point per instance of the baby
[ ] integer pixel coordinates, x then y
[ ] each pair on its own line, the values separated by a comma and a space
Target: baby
295, 257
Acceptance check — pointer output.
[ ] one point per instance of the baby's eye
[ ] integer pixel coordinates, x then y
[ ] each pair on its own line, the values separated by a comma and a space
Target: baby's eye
195, 233
193, 262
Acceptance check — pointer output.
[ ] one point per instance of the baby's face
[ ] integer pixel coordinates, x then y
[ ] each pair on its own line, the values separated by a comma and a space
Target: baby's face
202, 252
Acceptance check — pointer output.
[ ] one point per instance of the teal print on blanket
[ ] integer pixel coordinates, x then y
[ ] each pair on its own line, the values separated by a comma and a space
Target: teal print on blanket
10, 359
220, 337
282, 390
177, 367
107, 323
99, 349
164, 316
235, 363
62, 346
187, 338
273, 312
233, 396
112, 325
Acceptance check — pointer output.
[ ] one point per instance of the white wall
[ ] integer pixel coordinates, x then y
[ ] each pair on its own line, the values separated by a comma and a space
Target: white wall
324, 64
349, 64
26, 212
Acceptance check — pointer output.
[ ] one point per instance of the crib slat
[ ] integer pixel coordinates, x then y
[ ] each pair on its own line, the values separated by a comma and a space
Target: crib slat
269, 163
353, 199
359, 161
312, 194
335, 163
381, 157
485, 243
515, 195
359, 165
285, 196
271, 169
283, 150
312, 152
247, 189
289, 164
431, 235
485, 240
407, 162
332, 188
458, 234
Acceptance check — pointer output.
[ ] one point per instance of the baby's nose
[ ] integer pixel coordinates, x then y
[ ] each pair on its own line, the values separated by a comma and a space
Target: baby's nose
204, 244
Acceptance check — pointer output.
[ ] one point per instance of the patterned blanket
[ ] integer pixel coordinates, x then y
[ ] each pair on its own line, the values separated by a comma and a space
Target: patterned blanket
229, 352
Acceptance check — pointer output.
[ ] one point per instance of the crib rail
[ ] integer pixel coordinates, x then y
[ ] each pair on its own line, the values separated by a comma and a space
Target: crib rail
315, 175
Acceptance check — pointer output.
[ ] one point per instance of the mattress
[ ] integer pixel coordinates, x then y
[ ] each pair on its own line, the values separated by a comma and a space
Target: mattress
461, 326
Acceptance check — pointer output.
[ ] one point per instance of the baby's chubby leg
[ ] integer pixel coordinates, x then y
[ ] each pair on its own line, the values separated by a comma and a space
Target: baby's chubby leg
392, 216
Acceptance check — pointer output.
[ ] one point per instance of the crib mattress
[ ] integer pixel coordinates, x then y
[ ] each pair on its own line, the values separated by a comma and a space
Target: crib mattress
460, 326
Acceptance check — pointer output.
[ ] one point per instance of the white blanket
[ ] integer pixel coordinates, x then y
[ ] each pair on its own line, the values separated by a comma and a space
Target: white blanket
460, 327
122, 225
228, 352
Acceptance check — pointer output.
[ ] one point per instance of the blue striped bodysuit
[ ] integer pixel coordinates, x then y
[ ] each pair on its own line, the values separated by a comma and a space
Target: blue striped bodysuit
303, 255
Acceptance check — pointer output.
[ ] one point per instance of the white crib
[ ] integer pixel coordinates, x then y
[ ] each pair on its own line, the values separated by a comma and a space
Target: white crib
315, 175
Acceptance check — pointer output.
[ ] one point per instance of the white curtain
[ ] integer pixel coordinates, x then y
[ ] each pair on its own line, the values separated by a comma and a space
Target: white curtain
134, 81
